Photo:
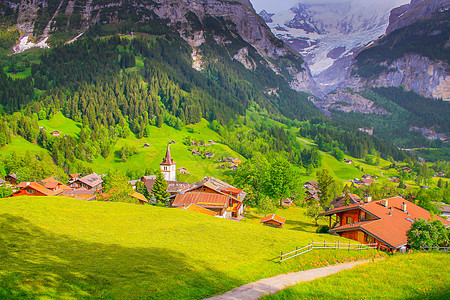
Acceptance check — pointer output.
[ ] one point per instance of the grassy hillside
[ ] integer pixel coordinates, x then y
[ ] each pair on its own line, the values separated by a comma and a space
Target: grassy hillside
60, 248
412, 276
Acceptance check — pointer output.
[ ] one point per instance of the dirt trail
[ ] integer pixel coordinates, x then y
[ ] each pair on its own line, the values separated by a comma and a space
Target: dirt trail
272, 285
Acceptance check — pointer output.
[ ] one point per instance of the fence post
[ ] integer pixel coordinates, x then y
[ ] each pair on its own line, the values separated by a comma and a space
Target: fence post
296, 250
338, 244
281, 256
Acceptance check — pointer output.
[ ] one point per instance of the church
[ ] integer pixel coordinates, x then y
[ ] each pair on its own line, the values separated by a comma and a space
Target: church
169, 167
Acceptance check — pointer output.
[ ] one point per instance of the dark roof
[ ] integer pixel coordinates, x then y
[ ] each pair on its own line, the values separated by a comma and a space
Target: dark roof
172, 186
12, 175
91, 179
340, 201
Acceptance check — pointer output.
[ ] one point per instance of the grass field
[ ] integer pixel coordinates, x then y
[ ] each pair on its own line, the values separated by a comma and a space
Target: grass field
60, 123
21, 146
407, 276
152, 156
54, 247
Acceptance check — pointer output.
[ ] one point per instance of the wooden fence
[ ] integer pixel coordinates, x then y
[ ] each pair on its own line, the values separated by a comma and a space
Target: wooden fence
334, 246
427, 249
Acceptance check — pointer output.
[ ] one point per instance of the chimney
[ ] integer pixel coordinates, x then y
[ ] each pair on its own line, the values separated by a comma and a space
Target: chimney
368, 199
386, 203
404, 207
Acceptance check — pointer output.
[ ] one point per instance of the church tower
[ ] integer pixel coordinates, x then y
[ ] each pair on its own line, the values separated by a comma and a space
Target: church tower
169, 167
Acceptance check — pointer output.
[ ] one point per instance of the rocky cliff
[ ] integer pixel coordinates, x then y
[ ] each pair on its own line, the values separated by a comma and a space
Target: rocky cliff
413, 53
191, 18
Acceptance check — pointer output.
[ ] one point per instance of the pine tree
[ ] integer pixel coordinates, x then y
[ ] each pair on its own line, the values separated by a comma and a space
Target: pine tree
159, 188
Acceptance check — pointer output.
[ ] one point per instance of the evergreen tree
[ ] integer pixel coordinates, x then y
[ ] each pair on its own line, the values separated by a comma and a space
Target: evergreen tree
141, 188
159, 188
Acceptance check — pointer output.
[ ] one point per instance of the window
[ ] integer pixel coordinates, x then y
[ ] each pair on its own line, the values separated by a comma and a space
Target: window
369, 239
349, 220
30, 191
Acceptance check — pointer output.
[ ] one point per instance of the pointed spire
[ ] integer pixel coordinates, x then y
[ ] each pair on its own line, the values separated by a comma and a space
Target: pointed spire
168, 159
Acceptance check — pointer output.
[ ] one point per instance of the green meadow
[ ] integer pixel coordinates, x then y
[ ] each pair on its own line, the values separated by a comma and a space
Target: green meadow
55, 247
401, 276
62, 124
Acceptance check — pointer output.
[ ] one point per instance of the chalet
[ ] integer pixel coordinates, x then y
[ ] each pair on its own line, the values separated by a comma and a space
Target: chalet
394, 179
172, 142
91, 182
406, 169
384, 222
311, 185
347, 161
54, 185
133, 183
288, 202
445, 209
196, 208
341, 201
366, 181
213, 194
426, 187
183, 170
212, 142
173, 187
209, 155
81, 193
440, 174
273, 221
146, 145
367, 176
148, 177
12, 178
139, 197
33, 189
55, 133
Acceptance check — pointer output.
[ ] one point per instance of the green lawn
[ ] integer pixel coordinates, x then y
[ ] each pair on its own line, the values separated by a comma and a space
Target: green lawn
54, 247
151, 157
21, 146
407, 276
60, 123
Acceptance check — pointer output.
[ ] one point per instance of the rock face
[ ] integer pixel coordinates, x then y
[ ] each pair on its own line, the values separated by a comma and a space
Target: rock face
187, 17
412, 69
415, 11
414, 72
348, 101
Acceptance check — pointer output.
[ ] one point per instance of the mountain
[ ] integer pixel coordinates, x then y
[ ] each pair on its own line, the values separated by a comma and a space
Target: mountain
42, 19
414, 53
329, 33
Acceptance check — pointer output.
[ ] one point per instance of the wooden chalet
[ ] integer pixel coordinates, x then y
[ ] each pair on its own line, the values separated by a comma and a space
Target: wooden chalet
139, 197
384, 222
200, 209
11, 178
54, 185
340, 201
33, 189
213, 194
90, 182
81, 193
273, 221
288, 202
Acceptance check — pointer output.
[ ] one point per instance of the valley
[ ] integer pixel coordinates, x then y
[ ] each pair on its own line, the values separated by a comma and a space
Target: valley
174, 149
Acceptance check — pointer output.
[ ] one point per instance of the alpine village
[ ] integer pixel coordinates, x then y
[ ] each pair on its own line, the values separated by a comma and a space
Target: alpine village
224, 149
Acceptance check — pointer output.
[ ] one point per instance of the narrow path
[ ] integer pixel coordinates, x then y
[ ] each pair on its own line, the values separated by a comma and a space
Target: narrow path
272, 285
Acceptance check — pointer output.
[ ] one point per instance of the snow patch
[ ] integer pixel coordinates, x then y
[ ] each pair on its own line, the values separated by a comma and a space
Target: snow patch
24, 45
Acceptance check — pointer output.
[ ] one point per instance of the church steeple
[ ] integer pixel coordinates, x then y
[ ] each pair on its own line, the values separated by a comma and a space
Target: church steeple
168, 166
168, 159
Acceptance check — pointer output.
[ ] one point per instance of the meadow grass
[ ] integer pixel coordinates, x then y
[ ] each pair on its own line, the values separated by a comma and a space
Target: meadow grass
21, 146
151, 157
60, 123
58, 247
401, 276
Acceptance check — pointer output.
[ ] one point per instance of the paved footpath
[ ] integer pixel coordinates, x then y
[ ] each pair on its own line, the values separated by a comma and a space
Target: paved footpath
272, 285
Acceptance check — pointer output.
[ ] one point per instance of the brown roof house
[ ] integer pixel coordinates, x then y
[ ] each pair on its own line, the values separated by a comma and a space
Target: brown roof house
273, 221
384, 222
91, 182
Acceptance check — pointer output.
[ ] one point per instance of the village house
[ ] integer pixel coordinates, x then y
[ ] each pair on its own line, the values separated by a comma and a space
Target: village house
384, 222
91, 182
55, 133
196, 208
273, 221
347, 161
183, 171
213, 194
288, 202
311, 185
12, 178
33, 189
54, 185
81, 193
341, 201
